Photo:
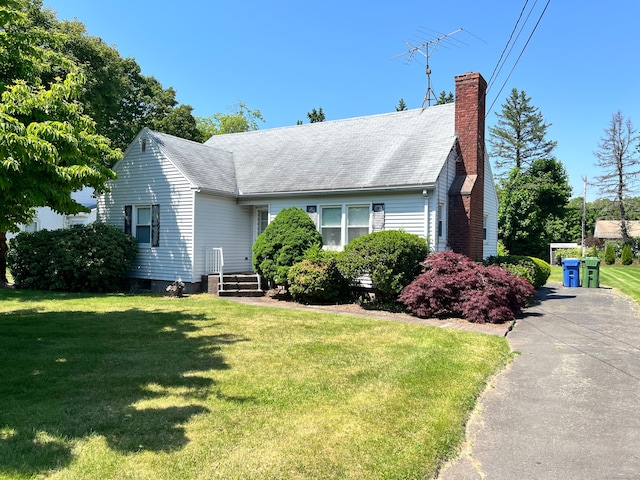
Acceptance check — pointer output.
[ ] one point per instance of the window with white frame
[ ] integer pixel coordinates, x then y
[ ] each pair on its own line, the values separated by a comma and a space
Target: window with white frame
331, 226
340, 224
143, 224
357, 221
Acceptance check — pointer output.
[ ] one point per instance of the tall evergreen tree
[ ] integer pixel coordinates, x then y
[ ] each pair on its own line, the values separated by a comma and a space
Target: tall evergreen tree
518, 138
315, 116
445, 98
401, 107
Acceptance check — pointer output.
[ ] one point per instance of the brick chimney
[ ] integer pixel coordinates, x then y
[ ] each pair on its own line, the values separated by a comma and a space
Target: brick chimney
466, 195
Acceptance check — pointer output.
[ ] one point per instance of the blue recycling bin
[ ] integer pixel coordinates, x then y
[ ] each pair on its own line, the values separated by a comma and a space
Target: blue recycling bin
571, 272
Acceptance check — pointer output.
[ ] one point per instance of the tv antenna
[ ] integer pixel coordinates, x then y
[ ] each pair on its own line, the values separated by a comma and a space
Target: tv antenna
427, 48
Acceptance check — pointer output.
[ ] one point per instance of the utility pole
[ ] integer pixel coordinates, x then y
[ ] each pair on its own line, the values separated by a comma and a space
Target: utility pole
584, 215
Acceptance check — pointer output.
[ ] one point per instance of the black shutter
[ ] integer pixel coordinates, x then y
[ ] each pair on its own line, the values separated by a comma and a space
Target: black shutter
155, 225
378, 217
128, 209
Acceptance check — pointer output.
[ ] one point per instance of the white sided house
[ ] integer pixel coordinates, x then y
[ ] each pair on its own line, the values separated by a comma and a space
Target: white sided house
192, 206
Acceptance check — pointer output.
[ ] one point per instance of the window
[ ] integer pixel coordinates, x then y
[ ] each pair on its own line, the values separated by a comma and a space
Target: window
143, 224
357, 221
440, 220
484, 228
262, 217
339, 224
331, 226
32, 227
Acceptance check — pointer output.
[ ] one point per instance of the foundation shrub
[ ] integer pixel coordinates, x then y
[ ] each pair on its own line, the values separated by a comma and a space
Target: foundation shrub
83, 258
283, 243
535, 270
391, 259
317, 279
454, 285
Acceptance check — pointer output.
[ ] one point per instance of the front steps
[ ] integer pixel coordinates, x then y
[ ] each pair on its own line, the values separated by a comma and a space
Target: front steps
241, 285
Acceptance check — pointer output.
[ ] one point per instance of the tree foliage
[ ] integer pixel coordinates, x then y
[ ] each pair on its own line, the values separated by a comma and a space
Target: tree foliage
116, 95
48, 146
240, 119
315, 116
519, 137
617, 156
452, 284
401, 107
445, 97
530, 200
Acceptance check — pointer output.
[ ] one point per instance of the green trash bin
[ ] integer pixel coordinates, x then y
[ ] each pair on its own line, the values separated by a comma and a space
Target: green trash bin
591, 272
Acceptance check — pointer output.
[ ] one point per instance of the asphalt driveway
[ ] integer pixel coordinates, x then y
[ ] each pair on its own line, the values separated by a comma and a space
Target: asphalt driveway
568, 407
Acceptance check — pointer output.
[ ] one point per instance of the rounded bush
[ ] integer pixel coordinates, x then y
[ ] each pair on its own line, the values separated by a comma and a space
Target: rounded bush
316, 279
535, 270
283, 243
83, 258
390, 258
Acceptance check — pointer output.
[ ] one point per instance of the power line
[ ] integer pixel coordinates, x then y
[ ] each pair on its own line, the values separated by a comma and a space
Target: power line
519, 56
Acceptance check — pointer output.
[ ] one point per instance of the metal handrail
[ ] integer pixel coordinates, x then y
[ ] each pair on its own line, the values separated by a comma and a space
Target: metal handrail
215, 264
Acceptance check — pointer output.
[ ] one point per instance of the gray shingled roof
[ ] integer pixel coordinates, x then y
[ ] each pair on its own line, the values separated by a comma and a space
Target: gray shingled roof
206, 167
388, 150
396, 149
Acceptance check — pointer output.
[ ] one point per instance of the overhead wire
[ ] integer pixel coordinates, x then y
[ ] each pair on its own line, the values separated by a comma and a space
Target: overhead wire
519, 56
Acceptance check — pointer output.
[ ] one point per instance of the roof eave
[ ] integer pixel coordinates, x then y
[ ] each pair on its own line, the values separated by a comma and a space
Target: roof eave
343, 191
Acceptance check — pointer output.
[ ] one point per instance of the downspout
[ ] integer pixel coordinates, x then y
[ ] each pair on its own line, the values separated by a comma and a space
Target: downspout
427, 220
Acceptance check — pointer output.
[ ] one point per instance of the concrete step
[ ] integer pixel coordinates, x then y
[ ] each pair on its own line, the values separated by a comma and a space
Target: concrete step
240, 293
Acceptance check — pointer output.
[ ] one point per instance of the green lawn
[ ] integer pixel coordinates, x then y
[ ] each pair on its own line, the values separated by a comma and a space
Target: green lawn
625, 278
133, 387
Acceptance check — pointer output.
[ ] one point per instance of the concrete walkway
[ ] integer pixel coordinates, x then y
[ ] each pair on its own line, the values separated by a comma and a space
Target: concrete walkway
568, 407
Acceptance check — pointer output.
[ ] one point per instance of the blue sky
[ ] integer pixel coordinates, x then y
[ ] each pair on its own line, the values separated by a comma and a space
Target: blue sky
285, 57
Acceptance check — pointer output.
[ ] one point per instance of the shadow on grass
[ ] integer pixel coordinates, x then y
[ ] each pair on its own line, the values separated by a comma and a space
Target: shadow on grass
133, 377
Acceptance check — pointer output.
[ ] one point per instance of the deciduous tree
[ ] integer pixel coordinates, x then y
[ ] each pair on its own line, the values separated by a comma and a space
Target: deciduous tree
617, 156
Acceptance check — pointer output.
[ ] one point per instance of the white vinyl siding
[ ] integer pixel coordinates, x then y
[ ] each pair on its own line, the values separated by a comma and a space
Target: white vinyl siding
154, 180
490, 245
402, 211
221, 222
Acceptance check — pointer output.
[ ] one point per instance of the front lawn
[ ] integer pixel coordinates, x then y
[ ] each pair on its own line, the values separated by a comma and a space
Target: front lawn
115, 386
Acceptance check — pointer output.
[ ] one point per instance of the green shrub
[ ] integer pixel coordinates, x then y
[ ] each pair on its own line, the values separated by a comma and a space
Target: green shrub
283, 243
609, 254
316, 279
563, 253
91, 258
390, 258
627, 255
532, 269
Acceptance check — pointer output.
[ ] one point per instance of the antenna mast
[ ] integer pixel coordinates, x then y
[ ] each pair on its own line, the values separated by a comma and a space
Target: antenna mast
428, 48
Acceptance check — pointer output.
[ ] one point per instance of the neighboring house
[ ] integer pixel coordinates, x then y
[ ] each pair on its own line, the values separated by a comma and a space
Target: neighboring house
611, 230
423, 171
47, 219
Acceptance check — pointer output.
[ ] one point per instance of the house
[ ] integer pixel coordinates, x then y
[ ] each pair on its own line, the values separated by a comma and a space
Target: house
611, 229
423, 171
47, 219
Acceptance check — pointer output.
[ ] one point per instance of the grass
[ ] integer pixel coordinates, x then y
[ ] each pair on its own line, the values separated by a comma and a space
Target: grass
146, 387
625, 278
